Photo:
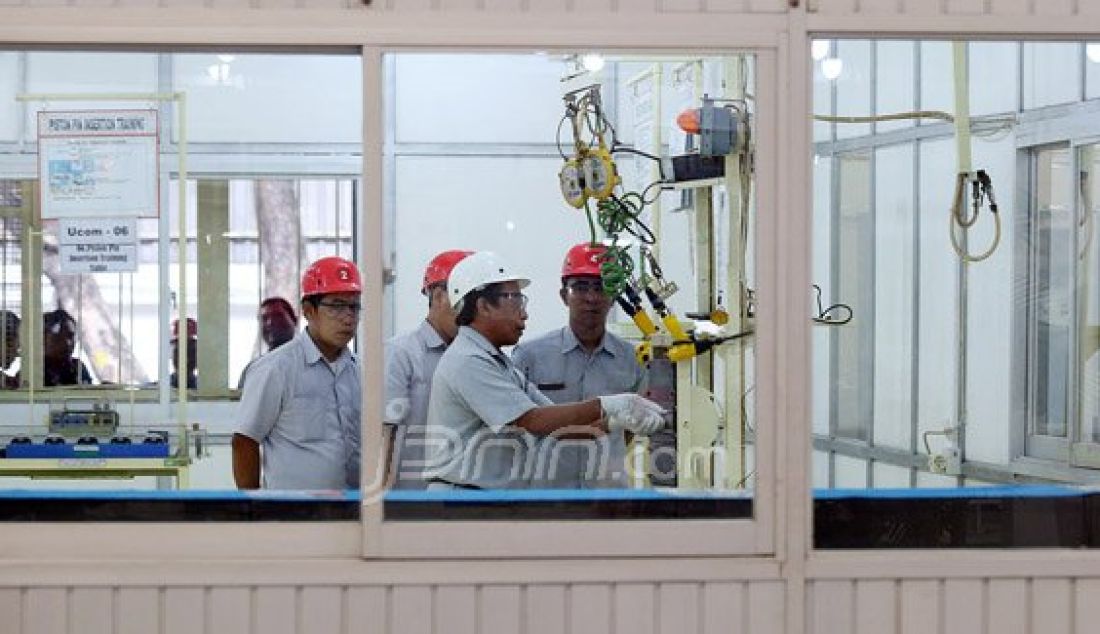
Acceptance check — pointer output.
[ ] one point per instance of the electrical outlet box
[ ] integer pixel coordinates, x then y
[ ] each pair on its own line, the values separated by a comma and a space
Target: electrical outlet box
947, 461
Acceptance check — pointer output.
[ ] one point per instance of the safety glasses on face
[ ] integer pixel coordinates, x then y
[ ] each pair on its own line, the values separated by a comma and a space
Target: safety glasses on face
339, 309
515, 298
585, 287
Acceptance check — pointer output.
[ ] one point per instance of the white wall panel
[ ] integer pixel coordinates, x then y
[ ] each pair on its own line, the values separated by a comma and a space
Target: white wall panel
272, 98
1086, 609
184, 610
887, 476
895, 88
524, 220
138, 610
723, 607
938, 284
963, 606
90, 610
853, 87
368, 609
829, 607
411, 610
894, 278
544, 608
678, 608
1007, 601
851, 473
590, 609
1052, 606
876, 607
1044, 88
1092, 69
478, 98
230, 609
992, 305
919, 606
276, 610
635, 606
994, 78
456, 609
46, 611
9, 87
500, 609
322, 609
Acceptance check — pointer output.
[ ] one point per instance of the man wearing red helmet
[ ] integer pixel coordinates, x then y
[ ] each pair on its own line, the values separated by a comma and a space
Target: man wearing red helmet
578, 362
302, 401
411, 359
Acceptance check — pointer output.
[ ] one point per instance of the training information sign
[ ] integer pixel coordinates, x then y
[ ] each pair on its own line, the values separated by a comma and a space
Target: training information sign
97, 245
98, 163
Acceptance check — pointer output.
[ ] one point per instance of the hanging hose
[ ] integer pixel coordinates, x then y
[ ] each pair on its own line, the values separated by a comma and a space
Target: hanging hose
982, 189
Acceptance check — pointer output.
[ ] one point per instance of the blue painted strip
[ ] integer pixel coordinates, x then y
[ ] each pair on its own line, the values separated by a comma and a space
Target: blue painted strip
985, 492
545, 495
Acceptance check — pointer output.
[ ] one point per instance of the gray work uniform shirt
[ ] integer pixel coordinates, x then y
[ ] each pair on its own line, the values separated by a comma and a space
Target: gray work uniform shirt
411, 359
304, 412
476, 392
565, 372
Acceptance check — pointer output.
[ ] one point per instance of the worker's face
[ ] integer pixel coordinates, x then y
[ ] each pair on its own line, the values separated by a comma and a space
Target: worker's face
334, 320
441, 311
59, 341
507, 319
276, 326
587, 303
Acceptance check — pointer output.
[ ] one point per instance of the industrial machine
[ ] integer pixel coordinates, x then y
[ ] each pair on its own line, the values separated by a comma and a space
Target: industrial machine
694, 449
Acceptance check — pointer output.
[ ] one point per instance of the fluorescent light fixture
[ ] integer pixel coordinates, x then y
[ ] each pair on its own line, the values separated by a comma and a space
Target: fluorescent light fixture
1092, 51
592, 62
832, 67
819, 50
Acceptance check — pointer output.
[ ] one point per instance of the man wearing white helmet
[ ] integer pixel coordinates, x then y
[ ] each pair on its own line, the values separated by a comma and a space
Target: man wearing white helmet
484, 417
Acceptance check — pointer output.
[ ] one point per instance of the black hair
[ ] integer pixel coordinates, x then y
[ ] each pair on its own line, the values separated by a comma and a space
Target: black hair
54, 319
469, 304
10, 320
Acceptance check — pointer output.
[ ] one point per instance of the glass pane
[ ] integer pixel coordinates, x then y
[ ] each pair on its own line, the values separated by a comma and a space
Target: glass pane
974, 330
1052, 231
467, 179
854, 274
91, 394
1088, 197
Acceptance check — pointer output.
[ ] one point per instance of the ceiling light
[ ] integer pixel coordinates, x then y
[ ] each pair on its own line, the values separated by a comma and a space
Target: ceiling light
832, 67
819, 50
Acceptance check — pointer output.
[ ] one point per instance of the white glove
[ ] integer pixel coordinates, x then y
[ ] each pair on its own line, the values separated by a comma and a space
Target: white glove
630, 412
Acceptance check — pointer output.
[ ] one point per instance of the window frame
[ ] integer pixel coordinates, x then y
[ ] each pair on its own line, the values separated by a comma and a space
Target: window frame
590, 538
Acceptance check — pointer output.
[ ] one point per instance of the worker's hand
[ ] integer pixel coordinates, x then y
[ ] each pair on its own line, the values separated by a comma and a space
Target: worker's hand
630, 412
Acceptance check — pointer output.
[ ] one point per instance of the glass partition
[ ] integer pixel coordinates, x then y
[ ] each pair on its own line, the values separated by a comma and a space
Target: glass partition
615, 193
102, 299
953, 324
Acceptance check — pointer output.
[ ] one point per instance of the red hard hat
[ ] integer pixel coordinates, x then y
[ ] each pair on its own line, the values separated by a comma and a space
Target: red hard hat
439, 269
192, 329
330, 275
583, 259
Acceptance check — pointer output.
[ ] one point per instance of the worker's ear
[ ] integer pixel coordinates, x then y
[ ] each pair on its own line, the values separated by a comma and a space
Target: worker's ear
562, 292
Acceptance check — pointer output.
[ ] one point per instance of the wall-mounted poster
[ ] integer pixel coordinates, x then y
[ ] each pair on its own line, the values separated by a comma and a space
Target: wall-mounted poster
98, 163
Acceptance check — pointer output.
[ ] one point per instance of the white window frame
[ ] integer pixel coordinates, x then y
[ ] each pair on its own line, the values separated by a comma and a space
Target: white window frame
763, 36
495, 539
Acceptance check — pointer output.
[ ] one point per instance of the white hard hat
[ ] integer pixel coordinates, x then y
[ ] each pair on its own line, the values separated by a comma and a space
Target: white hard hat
478, 271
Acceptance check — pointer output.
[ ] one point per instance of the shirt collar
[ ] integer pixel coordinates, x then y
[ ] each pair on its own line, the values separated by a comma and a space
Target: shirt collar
313, 354
569, 341
479, 341
429, 336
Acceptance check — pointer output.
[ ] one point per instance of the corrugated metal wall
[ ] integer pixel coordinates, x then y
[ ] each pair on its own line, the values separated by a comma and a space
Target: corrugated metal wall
954, 606
635, 608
